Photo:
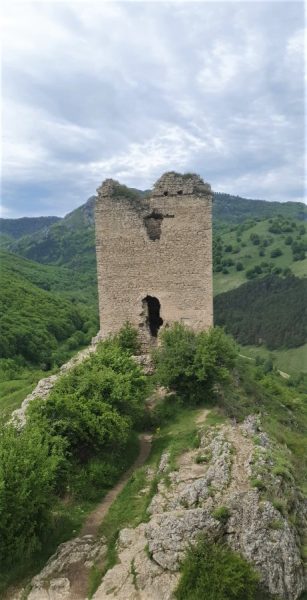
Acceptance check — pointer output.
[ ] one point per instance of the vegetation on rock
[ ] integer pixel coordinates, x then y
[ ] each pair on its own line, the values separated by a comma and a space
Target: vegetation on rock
76, 444
215, 572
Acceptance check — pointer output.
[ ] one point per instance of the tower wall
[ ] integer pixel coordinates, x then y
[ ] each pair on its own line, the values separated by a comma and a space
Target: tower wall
158, 246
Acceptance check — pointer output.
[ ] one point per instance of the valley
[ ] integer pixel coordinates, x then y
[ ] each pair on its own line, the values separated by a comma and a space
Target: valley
51, 262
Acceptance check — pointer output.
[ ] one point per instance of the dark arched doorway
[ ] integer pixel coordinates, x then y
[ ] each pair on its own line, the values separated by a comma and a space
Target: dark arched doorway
153, 319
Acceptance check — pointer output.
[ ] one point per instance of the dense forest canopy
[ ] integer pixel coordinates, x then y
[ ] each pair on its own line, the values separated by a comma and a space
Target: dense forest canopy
270, 311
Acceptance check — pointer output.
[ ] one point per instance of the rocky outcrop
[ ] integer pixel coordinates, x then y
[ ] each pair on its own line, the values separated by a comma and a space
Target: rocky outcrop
188, 502
55, 582
211, 492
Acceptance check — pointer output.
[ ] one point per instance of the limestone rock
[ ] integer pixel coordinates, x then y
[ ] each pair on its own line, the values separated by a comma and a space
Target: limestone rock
264, 536
136, 576
169, 534
48, 585
183, 507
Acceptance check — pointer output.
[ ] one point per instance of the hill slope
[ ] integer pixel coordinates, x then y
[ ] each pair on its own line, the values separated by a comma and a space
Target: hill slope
234, 209
255, 248
16, 228
270, 311
44, 311
71, 241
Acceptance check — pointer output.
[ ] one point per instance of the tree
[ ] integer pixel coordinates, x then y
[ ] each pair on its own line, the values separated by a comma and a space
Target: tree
191, 363
276, 252
28, 465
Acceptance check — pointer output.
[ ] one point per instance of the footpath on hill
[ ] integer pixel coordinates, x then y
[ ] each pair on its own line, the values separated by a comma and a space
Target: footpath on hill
68, 569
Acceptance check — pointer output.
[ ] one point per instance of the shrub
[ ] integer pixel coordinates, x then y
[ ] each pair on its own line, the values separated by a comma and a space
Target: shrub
128, 339
192, 363
255, 239
95, 405
222, 513
239, 266
257, 483
276, 252
27, 476
202, 458
214, 572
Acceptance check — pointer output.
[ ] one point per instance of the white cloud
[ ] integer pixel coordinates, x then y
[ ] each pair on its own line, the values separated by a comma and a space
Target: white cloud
128, 90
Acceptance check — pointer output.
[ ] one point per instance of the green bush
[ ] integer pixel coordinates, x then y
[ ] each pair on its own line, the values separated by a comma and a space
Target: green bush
28, 464
191, 363
79, 440
214, 572
91, 481
222, 513
128, 339
96, 405
276, 252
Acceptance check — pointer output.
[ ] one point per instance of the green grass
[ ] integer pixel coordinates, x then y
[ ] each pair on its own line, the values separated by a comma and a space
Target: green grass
249, 254
283, 411
130, 507
291, 361
299, 268
14, 391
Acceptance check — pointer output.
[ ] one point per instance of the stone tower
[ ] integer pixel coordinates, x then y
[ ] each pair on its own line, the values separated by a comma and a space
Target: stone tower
154, 255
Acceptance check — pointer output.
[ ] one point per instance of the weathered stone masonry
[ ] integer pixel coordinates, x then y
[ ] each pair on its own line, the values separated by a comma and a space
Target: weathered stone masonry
154, 255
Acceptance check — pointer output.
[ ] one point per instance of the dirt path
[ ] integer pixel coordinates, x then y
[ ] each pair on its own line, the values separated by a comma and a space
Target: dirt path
244, 448
77, 573
94, 520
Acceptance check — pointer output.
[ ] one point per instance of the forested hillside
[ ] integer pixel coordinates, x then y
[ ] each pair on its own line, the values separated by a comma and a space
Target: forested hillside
12, 229
271, 311
42, 307
69, 242
234, 209
16, 228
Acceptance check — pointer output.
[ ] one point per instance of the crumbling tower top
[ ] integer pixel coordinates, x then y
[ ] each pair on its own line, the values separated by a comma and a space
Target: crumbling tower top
175, 184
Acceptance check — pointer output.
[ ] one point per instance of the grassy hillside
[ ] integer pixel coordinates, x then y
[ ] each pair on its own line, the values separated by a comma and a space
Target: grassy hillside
75, 283
292, 361
35, 321
255, 248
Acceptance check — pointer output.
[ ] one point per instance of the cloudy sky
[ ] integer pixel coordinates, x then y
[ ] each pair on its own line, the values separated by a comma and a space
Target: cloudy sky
130, 89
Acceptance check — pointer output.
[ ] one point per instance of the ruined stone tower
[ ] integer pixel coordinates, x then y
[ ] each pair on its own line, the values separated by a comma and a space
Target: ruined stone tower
154, 255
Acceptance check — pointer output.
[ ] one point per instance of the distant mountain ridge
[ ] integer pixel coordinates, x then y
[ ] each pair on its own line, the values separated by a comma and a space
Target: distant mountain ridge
235, 209
70, 240
17, 228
